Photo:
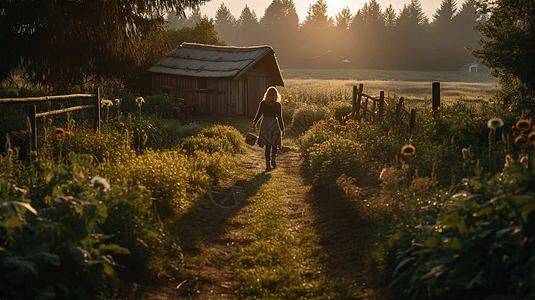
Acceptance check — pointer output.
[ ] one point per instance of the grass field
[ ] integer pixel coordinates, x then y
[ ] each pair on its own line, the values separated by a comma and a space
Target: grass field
409, 84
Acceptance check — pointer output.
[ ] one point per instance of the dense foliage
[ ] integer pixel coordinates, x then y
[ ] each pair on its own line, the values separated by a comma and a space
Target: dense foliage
474, 244
67, 232
509, 44
68, 42
479, 244
51, 246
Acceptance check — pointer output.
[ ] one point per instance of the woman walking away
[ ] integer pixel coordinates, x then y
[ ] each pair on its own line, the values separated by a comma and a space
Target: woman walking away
272, 128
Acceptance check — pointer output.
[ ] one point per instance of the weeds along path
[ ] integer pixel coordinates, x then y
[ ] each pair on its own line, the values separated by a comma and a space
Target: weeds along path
285, 241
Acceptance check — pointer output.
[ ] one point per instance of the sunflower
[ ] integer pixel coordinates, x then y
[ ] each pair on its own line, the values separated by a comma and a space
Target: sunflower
59, 133
523, 125
408, 150
521, 140
494, 123
140, 101
531, 137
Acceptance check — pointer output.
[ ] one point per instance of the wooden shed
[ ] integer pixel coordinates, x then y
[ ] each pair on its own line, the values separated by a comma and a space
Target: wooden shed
329, 60
218, 80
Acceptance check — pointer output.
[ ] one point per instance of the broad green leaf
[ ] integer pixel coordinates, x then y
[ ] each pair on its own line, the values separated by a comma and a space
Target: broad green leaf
402, 264
432, 242
457, 244
435, 272
526, 210
501, 297
521, 199
113, 248
23, 204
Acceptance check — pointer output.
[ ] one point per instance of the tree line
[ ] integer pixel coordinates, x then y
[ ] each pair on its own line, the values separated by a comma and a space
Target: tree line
58, 44
372, 37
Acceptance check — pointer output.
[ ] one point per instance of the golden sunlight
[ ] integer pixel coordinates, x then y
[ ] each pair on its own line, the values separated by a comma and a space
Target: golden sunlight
335, 6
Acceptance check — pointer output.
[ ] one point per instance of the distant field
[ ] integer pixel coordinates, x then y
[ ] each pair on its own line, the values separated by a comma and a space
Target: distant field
479, 87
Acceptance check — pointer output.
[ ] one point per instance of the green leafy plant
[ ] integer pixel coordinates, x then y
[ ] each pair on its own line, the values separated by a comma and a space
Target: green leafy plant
52, 247
481, 244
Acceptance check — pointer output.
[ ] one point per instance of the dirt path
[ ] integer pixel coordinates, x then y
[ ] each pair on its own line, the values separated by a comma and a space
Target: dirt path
207, 235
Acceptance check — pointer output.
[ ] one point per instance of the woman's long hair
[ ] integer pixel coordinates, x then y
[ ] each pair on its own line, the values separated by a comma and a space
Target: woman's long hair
272, 95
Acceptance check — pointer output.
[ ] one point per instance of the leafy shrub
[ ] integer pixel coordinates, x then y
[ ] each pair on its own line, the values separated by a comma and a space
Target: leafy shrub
339, 110
170, 176
217, 165
335, 157
103, 147
481, 244
306, 115
161, 106
316, 135
52, 248
213, 139
132, 220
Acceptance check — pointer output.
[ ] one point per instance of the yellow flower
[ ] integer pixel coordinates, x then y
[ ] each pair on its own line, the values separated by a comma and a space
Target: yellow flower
59, 134
494, 123
523, 125
531, 137
521, 140
47, 199
408, 150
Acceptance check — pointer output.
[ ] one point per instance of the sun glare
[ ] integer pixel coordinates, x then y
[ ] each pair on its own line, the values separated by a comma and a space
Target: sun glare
335, 6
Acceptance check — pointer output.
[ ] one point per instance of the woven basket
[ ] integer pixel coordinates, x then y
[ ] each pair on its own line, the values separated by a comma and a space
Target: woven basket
252, 136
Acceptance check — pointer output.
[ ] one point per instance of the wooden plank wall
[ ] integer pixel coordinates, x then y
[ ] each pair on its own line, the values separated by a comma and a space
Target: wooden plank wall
230, 99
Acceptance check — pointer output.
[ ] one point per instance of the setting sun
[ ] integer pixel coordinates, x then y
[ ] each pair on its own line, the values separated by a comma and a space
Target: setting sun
334, 6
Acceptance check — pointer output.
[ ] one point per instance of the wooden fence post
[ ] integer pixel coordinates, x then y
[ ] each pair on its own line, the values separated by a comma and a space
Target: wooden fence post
31, 112
365, 110
398, 107
357, 101
354, 103
381, 105
412, 120
436, 95
96, 116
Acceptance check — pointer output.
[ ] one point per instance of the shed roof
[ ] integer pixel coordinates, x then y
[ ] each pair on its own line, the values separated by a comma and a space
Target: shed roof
330, 53
199, 60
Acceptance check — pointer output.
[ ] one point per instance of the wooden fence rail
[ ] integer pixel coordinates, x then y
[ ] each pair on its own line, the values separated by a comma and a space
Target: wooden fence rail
372, 108
400, 108
33, 114
375, 113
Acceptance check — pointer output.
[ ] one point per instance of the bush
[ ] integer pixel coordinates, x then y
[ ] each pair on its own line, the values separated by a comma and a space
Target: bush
306, 115
340, 110
334, 157
161, 106
105, 147
52, 248
170, 176
213, 139
481, 245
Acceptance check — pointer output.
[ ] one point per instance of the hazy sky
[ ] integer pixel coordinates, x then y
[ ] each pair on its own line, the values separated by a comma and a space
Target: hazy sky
334, 6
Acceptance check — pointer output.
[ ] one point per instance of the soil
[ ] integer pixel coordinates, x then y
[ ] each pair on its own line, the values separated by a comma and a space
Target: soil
209, 275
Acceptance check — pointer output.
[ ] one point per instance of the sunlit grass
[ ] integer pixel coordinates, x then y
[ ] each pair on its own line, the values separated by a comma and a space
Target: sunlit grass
277, 259
323, 91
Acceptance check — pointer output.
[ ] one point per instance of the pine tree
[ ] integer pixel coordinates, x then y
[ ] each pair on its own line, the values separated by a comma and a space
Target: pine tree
343, 19
390, 16
225, 23
445, 12
248, 27
317, 16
